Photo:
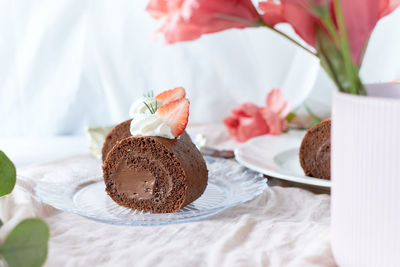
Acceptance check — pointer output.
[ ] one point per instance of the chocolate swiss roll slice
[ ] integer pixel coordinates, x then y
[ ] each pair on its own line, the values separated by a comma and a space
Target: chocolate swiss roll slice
155, 173
315, 151
119, 132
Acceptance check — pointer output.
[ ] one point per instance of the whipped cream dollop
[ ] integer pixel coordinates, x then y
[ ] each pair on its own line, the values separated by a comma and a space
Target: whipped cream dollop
147, 124
139, 107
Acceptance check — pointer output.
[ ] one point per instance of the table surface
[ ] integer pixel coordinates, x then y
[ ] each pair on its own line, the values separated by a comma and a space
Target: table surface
288, 225
24, 151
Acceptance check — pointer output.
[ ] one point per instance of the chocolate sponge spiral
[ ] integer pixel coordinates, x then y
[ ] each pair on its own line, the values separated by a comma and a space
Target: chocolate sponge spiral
155, 173
119, 132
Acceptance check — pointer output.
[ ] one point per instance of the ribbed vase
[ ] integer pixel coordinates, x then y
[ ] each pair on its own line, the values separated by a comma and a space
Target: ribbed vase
366, 177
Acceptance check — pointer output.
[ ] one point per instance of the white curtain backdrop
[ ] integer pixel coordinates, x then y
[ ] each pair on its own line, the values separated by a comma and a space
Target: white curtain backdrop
69, 64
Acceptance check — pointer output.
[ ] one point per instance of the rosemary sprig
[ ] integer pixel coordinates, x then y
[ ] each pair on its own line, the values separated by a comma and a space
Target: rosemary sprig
149, 94
151, 108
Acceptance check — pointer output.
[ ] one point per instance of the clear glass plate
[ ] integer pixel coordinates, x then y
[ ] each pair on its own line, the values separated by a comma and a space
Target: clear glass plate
229, 184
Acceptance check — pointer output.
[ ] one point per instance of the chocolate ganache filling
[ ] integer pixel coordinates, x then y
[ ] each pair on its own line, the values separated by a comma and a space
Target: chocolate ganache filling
136, 183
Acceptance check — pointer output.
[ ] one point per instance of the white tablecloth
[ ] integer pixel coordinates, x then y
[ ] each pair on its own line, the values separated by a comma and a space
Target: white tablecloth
282, 227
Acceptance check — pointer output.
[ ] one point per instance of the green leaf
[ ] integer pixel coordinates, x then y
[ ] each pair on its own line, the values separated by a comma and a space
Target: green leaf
8, 175
26, 245
1, 223
315, 118
319, 9
332, 60
344, 47
290, 116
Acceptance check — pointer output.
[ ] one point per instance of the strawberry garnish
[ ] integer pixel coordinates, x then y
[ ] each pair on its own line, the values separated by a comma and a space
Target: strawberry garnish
171, 95
176, 115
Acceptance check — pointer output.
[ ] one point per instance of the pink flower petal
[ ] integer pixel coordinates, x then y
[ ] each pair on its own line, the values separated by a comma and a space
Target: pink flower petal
387, 6
285, 109
275, 123
361, 17
295, 12
184, 20
246, 122
246, 110
273, 12
275, 100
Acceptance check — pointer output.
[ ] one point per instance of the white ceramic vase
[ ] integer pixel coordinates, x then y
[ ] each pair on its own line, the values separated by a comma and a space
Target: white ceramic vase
366, 177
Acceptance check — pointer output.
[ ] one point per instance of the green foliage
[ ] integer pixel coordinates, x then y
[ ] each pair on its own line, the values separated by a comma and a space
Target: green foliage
336, 66
351, 69
7, 175
333, 49
331, 60
319, 9
26, 245
290, 116
315, 118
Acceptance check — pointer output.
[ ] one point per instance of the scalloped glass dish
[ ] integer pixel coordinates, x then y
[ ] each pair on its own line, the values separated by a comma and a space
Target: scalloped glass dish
229, 184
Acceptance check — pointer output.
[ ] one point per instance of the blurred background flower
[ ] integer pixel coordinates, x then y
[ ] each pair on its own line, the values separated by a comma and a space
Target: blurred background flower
248, 120
183, 20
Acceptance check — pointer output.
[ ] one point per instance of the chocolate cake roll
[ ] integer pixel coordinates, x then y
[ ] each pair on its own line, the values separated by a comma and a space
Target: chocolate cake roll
119, 132
315, 151
155, 173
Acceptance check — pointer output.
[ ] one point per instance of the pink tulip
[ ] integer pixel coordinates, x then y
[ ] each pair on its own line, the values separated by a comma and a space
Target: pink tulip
360, 17
275, 112
184, 20
246, 122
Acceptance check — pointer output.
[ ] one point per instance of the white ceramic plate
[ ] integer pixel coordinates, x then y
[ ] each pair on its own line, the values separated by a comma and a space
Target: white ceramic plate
277, 156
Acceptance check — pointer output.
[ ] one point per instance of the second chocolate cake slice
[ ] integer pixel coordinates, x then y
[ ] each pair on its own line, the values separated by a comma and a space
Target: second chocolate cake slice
315, 151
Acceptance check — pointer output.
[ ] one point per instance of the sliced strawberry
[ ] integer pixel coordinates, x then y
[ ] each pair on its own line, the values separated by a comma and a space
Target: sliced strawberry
171, 95
176, 115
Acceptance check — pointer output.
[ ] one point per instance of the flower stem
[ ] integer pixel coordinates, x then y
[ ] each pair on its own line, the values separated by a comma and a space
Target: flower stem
262, 23
327, 22
352, 72
289, 38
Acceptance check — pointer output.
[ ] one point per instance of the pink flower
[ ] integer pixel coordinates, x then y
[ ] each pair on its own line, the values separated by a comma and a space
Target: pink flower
360, 17
184, 20
295, 12
275, 112
246, 122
